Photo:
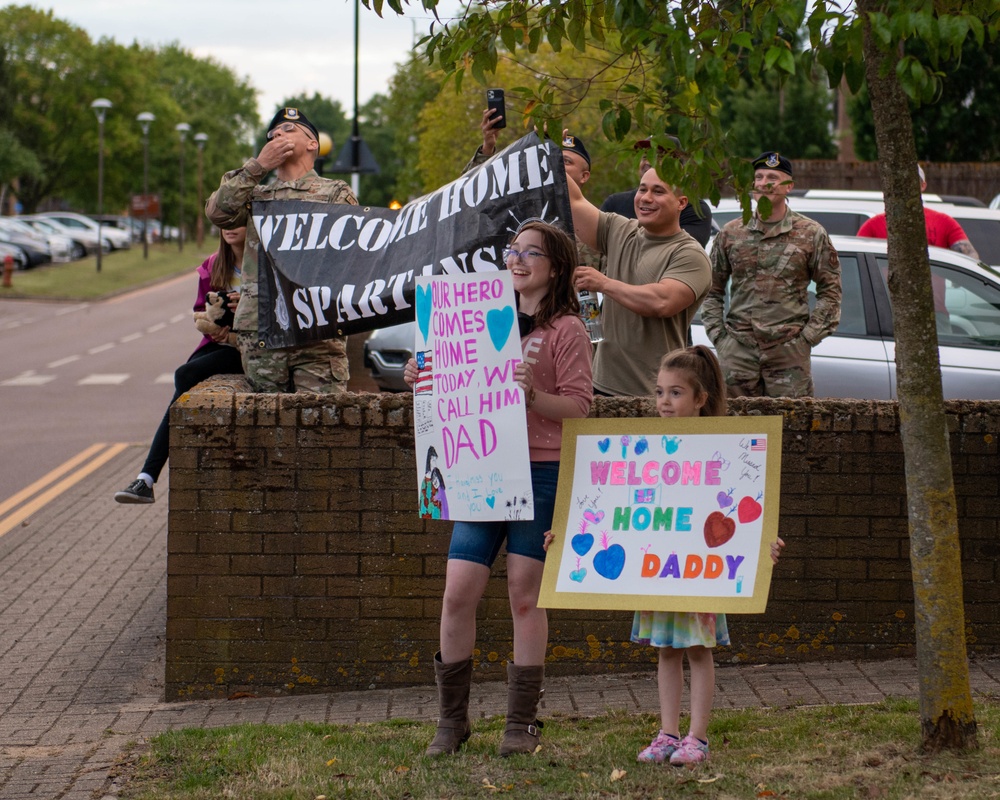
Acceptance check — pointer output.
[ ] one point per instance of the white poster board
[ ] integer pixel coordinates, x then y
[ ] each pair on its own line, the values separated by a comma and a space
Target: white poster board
469, 412
665, 515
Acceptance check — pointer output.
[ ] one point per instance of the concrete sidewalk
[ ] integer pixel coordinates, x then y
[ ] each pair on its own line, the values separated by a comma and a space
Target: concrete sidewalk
82, 616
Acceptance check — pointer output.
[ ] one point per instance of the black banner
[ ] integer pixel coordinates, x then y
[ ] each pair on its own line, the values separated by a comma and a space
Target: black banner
333, 270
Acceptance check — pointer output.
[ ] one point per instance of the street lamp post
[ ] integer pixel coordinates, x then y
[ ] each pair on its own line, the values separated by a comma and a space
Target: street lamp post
182, 128
100, 106
144, 119
200, 139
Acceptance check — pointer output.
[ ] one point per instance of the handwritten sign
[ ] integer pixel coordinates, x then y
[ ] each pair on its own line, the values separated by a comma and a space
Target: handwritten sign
665, 515
469, 412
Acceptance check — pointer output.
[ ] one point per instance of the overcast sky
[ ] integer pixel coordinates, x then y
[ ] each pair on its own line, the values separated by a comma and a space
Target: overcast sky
284, 47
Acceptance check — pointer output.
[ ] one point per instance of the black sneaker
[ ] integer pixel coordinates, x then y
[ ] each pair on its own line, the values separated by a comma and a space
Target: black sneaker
136, 492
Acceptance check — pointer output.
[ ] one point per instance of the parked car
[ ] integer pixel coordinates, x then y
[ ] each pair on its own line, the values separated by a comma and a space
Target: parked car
127, 224
864, 194
858, 360
845, 217
839, 217
20, 259
116, 238
84, 241
60, 247
34, 248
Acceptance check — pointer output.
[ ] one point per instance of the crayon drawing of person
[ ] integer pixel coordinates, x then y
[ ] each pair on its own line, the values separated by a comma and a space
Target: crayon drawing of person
433, 501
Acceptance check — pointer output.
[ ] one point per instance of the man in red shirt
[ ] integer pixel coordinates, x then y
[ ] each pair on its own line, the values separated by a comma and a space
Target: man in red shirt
942, 230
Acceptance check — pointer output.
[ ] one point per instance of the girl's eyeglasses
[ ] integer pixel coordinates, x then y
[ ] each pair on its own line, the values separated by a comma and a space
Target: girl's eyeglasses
525, 257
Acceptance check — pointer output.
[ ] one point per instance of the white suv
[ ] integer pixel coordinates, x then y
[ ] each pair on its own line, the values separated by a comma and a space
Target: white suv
116, 238
844, 217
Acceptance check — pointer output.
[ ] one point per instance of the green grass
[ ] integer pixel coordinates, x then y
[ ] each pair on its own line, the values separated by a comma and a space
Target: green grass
120, 271
830, 753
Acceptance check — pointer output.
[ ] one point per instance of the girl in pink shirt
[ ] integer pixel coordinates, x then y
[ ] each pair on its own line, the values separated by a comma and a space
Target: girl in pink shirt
557, 382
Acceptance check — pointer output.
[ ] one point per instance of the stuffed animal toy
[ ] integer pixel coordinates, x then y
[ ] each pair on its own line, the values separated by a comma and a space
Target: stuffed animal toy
216, 316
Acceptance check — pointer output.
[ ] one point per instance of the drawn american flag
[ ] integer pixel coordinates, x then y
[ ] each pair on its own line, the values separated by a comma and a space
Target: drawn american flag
758, 444
645, 496
425, 377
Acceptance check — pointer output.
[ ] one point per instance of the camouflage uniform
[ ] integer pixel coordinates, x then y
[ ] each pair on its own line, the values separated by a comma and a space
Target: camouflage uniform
765, 342
320, 367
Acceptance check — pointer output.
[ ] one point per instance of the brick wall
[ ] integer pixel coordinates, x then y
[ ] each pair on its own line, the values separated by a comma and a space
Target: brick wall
297, 561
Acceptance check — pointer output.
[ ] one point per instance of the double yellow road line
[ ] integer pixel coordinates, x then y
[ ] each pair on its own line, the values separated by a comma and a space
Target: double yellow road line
26, 502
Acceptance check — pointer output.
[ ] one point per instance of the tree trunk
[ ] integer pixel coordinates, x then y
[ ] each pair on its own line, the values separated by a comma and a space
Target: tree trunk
946, 714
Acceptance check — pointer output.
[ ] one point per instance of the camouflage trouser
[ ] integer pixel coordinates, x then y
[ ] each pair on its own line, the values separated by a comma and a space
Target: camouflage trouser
319, 367
784, 370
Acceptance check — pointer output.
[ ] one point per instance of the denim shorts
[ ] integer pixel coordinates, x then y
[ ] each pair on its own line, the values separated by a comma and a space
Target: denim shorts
481, 541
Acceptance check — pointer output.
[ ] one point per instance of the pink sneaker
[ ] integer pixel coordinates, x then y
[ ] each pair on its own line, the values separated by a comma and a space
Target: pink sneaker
689, 751
660, 750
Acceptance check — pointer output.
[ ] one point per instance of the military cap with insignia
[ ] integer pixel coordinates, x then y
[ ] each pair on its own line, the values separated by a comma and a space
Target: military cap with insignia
773, 160
575, 144
293, 115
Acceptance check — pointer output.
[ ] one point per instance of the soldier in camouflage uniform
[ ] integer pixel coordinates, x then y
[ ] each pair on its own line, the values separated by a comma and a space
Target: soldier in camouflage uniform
291, 150
765, 342
576, 159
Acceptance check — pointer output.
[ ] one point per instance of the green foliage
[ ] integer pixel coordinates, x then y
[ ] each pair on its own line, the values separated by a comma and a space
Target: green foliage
15, 159
56, 70
569, 95
961, 126
678, 64
413, 85
793, 116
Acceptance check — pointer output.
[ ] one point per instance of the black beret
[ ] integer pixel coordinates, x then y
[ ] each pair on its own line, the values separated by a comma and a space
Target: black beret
575, 144
773, 160
293, 115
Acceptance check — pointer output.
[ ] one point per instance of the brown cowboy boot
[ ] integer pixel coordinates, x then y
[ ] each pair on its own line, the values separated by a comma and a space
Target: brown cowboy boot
524, 690
453, 682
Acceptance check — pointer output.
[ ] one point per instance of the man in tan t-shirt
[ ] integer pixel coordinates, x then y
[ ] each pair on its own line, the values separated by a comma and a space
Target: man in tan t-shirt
655, 278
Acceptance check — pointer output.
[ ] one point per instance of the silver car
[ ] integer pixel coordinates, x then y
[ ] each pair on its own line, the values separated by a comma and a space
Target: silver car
857, 361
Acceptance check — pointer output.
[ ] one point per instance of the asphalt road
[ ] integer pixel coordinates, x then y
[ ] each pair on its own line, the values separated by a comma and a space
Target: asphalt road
75, 375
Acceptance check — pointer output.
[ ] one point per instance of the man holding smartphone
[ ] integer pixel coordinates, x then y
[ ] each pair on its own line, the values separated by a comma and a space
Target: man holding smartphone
576, 159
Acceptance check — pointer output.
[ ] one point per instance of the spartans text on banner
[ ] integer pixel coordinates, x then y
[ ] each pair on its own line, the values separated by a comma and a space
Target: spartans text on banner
334, 270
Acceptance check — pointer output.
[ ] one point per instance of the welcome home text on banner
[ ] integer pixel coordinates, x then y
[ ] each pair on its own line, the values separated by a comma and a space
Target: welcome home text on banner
468, 411
665, 515
331, 270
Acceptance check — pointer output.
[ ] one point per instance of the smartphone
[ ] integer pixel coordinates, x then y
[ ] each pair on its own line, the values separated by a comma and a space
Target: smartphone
494, 100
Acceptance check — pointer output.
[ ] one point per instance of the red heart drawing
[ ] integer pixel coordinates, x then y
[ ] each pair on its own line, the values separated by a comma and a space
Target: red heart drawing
748, 510
719, 529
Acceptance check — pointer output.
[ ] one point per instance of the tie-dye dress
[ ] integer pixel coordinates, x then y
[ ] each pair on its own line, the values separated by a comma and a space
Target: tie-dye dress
679, 629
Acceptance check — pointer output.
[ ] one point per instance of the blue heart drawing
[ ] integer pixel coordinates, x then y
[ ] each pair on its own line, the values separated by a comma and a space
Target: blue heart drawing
424, 310
499, 322
491, 501
670, 444
603, 445
582, 543
610, 563
578, 574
